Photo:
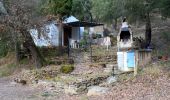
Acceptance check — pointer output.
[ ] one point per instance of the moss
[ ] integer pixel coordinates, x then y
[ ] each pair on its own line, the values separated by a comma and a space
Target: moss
67, 69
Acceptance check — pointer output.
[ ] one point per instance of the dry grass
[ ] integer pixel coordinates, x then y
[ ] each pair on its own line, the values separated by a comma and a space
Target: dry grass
153, 71
7, 65
102, 51
10, 58
125, 77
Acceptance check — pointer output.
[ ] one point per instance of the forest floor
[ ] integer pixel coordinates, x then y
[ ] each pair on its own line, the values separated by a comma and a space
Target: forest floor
152, 83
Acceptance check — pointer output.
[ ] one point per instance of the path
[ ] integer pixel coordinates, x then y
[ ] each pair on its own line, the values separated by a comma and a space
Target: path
11, 91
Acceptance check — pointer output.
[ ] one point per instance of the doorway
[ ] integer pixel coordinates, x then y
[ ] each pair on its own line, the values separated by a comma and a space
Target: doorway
67, 35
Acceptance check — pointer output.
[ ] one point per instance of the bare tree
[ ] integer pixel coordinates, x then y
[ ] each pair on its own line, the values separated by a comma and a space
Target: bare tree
20, 19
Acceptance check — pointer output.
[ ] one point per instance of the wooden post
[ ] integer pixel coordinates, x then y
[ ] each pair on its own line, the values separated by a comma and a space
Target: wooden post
136, 63
68, 48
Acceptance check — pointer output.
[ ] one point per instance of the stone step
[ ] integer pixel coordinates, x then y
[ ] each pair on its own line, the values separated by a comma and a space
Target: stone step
83, 85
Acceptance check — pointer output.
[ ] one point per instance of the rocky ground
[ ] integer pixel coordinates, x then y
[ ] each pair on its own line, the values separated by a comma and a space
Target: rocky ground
148, 85
90, 82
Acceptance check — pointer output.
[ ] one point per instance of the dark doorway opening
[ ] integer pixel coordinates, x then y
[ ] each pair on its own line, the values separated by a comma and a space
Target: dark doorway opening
124, 35
67, 35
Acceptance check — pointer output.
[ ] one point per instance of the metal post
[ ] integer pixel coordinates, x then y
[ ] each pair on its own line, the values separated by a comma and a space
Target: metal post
68, 48
91, 48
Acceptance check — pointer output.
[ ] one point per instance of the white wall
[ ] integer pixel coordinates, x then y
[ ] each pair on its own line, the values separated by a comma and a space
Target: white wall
77, 33
54, 35
51, 37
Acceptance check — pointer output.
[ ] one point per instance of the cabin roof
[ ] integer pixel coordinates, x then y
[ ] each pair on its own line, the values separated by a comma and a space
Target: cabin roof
83, 24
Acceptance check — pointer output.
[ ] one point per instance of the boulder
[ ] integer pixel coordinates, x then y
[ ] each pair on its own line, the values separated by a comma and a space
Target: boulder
71, 90
97, 91
111, 79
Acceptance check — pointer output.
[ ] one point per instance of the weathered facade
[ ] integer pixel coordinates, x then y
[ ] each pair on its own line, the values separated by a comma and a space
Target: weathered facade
51, 36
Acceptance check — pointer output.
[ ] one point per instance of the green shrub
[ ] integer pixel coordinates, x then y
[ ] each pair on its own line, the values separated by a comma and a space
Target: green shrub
67, 69
83, 42
166, 36
85, 34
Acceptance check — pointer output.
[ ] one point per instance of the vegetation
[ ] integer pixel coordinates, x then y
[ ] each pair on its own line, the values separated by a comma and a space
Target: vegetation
108, 11
52, 68
82, 9
59, 10
7, 70
21, 17
67, 69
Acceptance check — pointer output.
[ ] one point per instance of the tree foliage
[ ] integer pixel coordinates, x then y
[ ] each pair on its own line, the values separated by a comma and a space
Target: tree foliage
137, 9
82, 9
108, 10
165, 8
59, 8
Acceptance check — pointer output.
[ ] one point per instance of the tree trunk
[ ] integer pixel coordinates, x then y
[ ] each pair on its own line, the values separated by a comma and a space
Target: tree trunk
35, 53
17, 51
148, 31
16, 45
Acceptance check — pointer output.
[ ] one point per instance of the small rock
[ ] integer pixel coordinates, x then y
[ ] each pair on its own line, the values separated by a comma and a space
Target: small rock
109, 65
81, 89
96, 91
111, 80
71, 90
23, 82
40, 82
45, 94
60, 85
89, 72
108, 70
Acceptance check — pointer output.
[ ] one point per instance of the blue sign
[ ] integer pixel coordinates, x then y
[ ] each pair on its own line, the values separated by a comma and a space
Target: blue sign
131, 59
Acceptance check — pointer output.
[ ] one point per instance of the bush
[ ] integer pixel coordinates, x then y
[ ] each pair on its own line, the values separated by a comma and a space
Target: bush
67, 69
83, 42
3, 49
166, 36
85, 34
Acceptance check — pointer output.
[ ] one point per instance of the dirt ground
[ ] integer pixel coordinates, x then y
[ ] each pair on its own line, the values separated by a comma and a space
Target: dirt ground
146, 86
12, 91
